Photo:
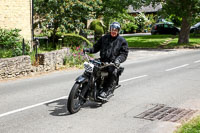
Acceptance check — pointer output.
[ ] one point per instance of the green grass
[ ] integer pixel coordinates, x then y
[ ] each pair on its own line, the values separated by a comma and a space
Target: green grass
146, 41
192, 126
194, 42
156, 41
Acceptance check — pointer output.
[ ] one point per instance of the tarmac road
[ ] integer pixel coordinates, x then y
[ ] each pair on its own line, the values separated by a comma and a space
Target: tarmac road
38, 104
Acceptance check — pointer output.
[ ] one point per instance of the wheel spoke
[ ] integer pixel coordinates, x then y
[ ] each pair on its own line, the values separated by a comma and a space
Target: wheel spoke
76, 99
76, 104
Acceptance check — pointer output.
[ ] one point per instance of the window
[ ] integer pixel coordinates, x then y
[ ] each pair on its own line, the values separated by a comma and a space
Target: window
170, 26
166, 26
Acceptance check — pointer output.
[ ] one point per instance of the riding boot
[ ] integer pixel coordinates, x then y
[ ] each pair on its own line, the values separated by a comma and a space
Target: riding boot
107, 89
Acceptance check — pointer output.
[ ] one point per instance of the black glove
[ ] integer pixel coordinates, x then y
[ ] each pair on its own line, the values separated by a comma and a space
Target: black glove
117, 62
86, 50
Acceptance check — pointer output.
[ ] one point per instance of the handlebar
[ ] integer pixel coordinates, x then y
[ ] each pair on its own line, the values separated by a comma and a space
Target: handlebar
102, 64
108, 64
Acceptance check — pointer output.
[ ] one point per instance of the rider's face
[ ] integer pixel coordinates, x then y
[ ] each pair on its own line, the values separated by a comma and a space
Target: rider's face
113, 32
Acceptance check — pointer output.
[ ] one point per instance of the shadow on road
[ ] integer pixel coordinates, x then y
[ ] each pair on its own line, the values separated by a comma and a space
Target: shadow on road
59, 107
92, 105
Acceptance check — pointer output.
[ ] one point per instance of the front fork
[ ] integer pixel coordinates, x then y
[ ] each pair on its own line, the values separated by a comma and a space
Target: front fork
90, 88
93, 87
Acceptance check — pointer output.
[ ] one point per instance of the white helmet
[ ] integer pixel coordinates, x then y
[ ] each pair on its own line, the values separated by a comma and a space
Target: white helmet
115, 25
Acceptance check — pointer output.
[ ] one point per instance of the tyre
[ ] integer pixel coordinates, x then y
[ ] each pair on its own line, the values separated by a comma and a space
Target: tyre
74, 100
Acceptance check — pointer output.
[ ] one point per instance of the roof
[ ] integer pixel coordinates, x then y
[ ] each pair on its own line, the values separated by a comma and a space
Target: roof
145, 9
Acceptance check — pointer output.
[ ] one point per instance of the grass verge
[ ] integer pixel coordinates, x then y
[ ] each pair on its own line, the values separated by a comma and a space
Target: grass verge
192, 126
157, 41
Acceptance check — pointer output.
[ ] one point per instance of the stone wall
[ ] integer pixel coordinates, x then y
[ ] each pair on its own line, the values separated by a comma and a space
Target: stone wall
21, 65
15, 67
52, 60
16, 14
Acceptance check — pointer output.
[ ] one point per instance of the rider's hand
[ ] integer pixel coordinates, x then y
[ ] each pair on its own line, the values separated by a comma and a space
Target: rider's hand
117, 62
86, 50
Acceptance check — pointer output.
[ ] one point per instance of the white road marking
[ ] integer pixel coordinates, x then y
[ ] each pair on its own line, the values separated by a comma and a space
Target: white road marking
133, 78
29, 107
177, 67
197, 61
42, 103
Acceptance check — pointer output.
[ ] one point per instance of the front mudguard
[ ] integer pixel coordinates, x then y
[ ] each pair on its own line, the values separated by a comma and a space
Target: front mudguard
81, 79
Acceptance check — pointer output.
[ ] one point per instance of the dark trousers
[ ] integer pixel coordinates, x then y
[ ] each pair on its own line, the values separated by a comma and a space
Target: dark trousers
109, 80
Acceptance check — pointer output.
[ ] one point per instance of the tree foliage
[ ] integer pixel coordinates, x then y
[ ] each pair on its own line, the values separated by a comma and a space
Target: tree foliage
11, 43
65, 15
72, 15
111, 9
69, 15
187, 10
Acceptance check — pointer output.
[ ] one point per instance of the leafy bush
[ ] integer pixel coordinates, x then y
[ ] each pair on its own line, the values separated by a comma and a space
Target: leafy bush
127, 22
9, 38
76, 59
141, 21
18, 50
5, 53
130, 28
11, 43
98, 28
74, 40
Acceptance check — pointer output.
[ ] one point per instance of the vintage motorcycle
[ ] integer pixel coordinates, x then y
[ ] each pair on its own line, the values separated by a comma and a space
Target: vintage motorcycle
88, 85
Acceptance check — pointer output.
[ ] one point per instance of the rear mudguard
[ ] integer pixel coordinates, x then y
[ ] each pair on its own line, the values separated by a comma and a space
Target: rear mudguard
81, 79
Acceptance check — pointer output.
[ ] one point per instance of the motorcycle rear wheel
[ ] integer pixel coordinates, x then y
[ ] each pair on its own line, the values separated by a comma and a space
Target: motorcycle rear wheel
74, 100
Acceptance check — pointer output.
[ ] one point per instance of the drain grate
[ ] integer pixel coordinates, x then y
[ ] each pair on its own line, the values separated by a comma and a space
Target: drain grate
165, 113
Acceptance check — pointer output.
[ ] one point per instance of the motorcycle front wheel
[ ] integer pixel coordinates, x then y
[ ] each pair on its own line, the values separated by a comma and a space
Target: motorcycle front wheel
74, 100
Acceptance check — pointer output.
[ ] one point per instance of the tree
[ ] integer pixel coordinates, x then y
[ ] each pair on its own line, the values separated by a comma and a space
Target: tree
111, 9
65, 15
116, 10
187, 10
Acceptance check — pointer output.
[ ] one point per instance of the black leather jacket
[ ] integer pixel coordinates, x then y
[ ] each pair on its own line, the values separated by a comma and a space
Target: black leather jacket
111, 48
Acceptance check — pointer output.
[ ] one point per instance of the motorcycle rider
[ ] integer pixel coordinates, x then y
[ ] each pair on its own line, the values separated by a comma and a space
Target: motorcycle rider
113, 48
